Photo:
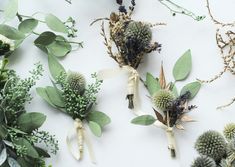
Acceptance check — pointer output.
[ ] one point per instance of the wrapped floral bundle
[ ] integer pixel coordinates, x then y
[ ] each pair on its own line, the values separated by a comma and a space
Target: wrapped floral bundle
169, 106
71, 95
22, 144
215, 149
133, 41
225, 39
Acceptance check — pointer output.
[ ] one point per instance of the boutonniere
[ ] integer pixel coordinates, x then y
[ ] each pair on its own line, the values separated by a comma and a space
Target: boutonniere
70, 94
21, 140
225, 39
216, 149
133, 41
54, 40
170, 107
174, 8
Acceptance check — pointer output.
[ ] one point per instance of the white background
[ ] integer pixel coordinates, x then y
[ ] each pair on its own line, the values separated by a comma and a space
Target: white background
125, 144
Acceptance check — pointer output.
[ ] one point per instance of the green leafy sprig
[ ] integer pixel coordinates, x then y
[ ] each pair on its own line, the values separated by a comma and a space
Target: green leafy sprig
70, 95
170, 107
19, 130
54, 41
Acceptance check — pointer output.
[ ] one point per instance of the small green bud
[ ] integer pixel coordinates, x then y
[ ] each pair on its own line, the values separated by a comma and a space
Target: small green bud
229, 131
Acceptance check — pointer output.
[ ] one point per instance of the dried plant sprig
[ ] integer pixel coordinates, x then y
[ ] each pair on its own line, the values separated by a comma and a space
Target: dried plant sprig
132, 40
20, 135
71, 95
56, 40
215, 150
226, 44
170, 108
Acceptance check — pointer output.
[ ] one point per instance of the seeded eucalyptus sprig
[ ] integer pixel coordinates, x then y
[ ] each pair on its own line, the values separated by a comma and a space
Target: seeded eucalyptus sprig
20, 136
71, 95
170, 108
55, 40
215, 150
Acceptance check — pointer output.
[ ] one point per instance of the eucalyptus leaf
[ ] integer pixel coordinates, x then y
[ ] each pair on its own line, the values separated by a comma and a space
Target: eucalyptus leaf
3, 156
10, 10
60, 47
183, 66
42, 152
28, 122
55, 96
11, 32
193, 88
152, 84
12, 162
43, 93
3, 132
99, 117
55, 67
28, 25
95, 128
55, 24
144, 120
174, 90
30, 150
45, 38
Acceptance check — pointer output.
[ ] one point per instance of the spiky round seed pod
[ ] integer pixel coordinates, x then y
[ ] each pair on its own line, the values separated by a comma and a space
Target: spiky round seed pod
162, 99
229, 131
203, 161
138, 34
76, 81
211, 144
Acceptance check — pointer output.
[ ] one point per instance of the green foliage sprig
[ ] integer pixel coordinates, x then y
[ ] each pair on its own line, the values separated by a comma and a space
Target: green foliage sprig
169, 106
70, 95
19, 130
55, 41
215, 150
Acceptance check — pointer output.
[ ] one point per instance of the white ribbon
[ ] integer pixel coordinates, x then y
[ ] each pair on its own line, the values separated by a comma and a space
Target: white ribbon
133, 81
81, 137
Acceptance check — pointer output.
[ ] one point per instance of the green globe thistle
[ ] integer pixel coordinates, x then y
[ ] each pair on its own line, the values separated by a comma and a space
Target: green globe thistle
77, 82
229, 131
211, 144
138, 35
162, 99
203, 161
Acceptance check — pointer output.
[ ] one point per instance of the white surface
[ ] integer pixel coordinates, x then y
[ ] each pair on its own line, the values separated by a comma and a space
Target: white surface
122, 143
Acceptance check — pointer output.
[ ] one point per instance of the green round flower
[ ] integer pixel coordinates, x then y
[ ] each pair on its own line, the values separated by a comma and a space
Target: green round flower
203, 161
162, 99
76, 81
229, 131
211, 144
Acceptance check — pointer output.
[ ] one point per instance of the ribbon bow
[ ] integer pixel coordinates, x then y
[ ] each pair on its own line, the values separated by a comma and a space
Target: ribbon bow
81, 138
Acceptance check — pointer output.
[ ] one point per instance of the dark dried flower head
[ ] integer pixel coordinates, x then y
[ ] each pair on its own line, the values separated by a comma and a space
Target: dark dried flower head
211, 144
203, 161
6, 45
77, 82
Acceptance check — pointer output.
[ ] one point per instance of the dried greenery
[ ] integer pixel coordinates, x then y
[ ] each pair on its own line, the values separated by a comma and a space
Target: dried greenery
55, 40
215, 150
132, 39
20, 138
226, 44
70, 95
174, 9
170, 107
